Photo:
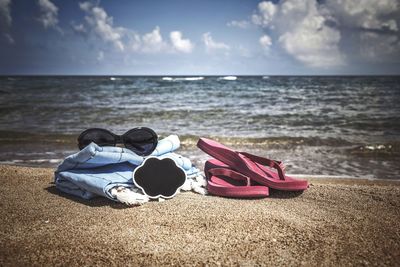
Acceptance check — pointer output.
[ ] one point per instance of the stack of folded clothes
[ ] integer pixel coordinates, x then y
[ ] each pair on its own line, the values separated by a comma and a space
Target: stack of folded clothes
102, 169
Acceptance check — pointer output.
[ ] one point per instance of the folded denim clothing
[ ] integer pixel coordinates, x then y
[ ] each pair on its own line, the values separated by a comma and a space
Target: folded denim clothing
94, 170
168, 144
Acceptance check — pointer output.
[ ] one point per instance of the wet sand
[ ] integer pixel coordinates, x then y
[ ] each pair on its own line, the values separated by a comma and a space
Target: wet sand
335, 222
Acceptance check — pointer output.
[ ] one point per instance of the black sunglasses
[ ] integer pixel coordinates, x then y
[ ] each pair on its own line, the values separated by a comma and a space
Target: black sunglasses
141, 140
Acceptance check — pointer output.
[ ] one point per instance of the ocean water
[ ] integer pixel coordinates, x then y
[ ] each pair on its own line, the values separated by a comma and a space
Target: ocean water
339, 126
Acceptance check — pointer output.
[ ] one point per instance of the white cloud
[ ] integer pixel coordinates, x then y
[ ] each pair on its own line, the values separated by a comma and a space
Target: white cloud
265, 41
79, 28
6, 20
102, 25
312, 42
86, 6
153, 42
265, 15
134, 42
243, 24
5, 14
180, 44
372, 26
330, 33
49, 14
366, 14
302, 31
312, 48
212, 45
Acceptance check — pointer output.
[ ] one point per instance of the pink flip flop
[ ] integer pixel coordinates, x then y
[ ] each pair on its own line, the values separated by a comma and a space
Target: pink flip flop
225, 182
257, 168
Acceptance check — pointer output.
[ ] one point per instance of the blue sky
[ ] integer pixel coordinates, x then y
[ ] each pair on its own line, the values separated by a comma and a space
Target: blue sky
291, 37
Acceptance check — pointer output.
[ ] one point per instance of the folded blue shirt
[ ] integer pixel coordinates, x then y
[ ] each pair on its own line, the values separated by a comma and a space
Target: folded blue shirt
94, 170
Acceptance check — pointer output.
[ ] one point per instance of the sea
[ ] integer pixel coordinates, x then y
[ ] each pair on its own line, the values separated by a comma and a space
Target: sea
336, 126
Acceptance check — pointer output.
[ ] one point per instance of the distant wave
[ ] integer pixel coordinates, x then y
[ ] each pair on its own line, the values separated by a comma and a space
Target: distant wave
182, 78
389, 149
282, 141
228, 78
266, 77
27, 161
113, 79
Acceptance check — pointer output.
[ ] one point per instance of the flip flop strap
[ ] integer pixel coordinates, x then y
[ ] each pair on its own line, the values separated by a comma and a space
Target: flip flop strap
278, 165
229, 173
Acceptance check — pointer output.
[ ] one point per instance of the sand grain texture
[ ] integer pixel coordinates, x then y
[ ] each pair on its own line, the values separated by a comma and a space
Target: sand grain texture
335, 222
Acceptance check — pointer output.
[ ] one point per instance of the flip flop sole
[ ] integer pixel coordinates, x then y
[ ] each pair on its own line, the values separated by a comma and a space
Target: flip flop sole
229, 187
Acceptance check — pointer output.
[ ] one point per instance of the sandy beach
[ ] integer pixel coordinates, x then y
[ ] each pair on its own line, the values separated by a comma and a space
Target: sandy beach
335, 222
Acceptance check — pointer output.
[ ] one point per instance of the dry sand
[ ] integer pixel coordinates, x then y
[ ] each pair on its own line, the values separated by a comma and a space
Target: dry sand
335, 222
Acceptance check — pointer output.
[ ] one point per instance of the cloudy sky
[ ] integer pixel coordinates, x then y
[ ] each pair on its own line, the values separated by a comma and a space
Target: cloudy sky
203, 37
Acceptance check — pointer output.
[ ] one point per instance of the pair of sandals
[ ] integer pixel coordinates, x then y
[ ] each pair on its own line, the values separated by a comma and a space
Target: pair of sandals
240, 174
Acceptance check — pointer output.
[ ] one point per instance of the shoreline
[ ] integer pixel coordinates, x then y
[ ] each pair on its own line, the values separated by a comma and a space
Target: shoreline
334, 222
311, 177
302, 155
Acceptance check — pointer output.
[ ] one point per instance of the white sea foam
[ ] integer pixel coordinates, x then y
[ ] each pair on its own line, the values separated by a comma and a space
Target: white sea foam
19, 161
228, 78
182, 79
266, 77
191, 78
113, 79
377, 147
363, 177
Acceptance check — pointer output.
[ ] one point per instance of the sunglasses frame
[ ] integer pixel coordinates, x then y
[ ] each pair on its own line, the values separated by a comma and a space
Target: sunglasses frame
119, 139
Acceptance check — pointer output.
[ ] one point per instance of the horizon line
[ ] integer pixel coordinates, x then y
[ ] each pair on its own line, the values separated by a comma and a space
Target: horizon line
193, 75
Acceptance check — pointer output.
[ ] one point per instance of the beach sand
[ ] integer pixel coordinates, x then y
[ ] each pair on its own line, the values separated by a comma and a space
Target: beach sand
335, 222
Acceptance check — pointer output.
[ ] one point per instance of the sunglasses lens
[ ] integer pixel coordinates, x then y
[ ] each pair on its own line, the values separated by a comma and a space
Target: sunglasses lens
142, 141
99, 136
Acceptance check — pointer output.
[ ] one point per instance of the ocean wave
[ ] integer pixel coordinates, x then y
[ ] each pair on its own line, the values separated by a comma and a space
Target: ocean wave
17, 137
282, 142
346, 177
392, 148
266, 77
27, 161
182, 79
126, 79
387, 149
286, 142
228, 78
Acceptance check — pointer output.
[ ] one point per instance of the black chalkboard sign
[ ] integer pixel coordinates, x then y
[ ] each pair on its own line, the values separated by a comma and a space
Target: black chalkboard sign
159, 177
